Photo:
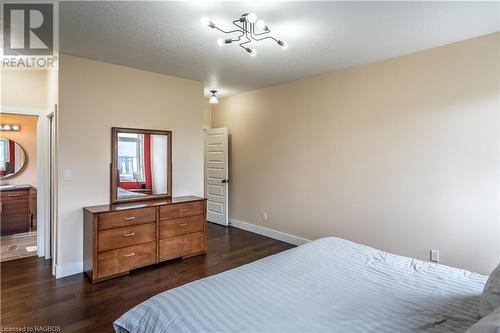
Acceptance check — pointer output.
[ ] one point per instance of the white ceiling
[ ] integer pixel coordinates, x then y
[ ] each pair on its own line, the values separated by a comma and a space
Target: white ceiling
167, 37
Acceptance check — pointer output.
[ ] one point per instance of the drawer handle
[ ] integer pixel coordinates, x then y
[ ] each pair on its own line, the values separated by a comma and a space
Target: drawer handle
130, 234
13, 195
129, 254
129, 218
182, 225
184, 210
181, 242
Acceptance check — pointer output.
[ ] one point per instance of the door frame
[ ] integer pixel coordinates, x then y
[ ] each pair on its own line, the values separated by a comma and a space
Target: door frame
42, 181
51, 237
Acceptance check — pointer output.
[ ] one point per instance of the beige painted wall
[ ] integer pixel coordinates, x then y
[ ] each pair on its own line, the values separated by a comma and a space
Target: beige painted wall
95, 96
27, 139
24, 89
207, 114
402, 155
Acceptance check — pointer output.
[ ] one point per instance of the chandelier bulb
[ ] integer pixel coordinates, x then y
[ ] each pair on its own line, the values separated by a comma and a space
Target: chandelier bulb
205, 21
251, 17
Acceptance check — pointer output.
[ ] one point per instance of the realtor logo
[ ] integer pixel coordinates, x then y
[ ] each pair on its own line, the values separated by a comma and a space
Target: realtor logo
28, 29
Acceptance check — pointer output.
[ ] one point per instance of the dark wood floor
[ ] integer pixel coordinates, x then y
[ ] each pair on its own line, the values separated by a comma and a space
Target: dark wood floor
30, 296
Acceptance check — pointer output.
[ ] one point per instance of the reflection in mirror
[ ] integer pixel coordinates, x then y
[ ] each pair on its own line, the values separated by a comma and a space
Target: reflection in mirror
12, 158
142, 164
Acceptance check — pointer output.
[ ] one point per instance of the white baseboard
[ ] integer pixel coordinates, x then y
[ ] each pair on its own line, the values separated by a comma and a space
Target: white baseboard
69, 269
271, 233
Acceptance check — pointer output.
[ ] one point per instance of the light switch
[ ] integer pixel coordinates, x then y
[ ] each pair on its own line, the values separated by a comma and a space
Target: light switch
67, 175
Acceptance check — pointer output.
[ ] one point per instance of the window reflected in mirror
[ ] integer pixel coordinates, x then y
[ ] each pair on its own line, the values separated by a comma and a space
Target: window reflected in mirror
12, 158
143, 164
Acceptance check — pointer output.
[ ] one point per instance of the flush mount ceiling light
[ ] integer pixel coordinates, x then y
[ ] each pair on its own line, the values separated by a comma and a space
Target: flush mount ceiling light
249, 29
213, 98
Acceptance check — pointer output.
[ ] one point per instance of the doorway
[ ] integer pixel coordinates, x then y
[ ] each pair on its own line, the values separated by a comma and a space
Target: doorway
19, 186
39, 211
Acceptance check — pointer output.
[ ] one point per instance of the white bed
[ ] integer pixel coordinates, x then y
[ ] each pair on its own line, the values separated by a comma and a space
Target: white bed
328, 285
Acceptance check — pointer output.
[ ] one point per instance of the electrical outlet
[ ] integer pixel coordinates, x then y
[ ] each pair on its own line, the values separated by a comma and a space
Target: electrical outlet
435, 255
264, 216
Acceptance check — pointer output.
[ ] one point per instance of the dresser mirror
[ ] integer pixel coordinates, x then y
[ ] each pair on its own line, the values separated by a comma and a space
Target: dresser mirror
12, 158
141, 164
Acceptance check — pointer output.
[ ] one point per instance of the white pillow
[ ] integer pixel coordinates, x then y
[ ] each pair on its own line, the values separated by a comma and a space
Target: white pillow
491, 294
489, 324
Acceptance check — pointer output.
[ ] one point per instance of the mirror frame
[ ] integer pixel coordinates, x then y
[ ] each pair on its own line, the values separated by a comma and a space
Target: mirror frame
24, 166
114, 165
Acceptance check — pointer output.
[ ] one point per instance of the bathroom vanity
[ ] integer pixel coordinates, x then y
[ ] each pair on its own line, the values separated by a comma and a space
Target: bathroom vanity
15, 209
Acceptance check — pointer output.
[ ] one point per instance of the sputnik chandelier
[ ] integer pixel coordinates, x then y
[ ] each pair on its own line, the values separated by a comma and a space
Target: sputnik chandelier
249, 30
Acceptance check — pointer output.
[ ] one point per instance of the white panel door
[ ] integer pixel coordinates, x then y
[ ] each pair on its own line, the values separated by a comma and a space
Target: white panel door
216, 175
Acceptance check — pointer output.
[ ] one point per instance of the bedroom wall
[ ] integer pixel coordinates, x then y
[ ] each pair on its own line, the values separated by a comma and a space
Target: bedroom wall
95, 96
402, 155
23, 89
207, 114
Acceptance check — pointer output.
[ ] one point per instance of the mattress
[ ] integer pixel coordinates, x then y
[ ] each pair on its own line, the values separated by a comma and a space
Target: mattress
327, 285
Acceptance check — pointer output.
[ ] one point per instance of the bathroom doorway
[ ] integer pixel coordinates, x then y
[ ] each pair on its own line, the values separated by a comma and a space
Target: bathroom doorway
18, 186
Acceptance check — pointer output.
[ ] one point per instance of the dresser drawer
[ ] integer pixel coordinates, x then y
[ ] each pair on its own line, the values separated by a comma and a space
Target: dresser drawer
122, 237
181, 226
127, 218
15, 195
125, 259
180, 210
181, 246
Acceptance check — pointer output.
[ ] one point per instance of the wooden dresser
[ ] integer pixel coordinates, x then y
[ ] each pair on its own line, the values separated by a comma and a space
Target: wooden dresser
119, 238
15, 214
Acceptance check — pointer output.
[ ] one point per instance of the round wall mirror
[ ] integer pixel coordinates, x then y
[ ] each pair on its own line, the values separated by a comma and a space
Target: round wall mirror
12, 158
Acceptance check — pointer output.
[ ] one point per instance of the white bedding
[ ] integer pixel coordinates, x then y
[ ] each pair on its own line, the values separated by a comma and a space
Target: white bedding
328, 285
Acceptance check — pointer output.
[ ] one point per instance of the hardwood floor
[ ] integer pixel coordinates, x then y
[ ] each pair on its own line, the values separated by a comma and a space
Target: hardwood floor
16, 246
31, 297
